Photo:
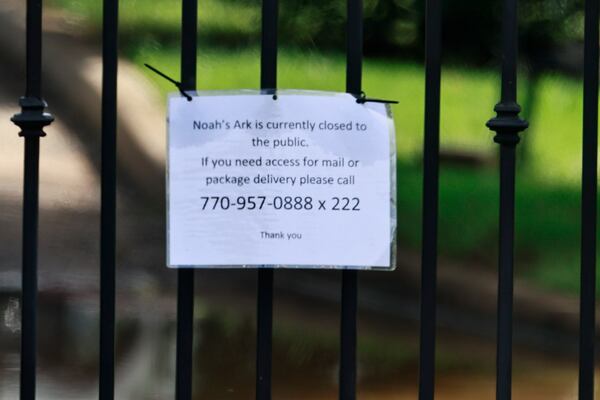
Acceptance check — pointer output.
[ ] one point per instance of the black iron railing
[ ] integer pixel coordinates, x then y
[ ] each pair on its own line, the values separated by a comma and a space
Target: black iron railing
589, 182
31, 120
507, 125
108, 204
185, 277
264, 301
433, 62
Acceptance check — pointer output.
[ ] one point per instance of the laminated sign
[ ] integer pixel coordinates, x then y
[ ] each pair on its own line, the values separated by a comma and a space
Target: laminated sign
298, 180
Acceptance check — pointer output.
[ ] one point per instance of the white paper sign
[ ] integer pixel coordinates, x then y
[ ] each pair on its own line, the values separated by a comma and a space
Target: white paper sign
304, 180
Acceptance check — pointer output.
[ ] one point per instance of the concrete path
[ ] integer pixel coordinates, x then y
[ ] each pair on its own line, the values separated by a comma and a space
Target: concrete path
68, 187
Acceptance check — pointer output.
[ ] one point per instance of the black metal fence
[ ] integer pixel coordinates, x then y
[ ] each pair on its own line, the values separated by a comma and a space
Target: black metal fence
507, 125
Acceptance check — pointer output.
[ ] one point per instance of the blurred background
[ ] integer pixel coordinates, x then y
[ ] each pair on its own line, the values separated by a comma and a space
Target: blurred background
306, 314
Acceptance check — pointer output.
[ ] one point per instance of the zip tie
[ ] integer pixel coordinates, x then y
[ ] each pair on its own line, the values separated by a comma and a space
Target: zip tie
362, 99
173, 81
270, 92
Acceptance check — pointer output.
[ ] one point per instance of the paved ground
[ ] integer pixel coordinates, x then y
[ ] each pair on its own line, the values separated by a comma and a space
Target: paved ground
69, 273
69, 194
69, 210
69, 261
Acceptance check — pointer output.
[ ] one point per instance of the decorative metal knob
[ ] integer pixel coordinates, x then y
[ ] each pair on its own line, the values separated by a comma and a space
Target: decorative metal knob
507, 124
32, 119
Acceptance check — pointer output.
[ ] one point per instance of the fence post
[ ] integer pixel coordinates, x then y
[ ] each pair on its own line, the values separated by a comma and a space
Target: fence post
348, 335
507, 126
31, 120
108, 214
264, 304
589, 182
185, 276
264, 334
431, 144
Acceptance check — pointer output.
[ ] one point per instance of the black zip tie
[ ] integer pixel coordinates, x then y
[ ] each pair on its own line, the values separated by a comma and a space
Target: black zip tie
272, 92
173, 81
362, 99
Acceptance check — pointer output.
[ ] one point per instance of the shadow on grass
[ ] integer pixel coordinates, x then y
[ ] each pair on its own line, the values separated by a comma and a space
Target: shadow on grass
547, 221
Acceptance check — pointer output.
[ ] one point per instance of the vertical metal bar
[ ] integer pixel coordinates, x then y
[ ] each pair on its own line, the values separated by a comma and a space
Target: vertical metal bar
189, 40
31, 207
108, 199
185, 334
510, 45
33, 51
505, 277
507, 126
264, 335
268, 59
433, 38
354, 57
348, 335
354, 47
587, 331
29, 274
185, 277
264, 304
31, 120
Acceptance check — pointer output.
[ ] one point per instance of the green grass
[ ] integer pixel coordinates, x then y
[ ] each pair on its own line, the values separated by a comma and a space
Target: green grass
547, 214
158, 21
547, 234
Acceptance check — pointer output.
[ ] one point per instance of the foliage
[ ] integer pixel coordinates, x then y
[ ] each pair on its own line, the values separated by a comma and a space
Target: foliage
471, 27
471, 35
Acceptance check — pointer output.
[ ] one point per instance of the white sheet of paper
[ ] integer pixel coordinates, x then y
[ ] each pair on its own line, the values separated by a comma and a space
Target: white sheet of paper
301, 181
